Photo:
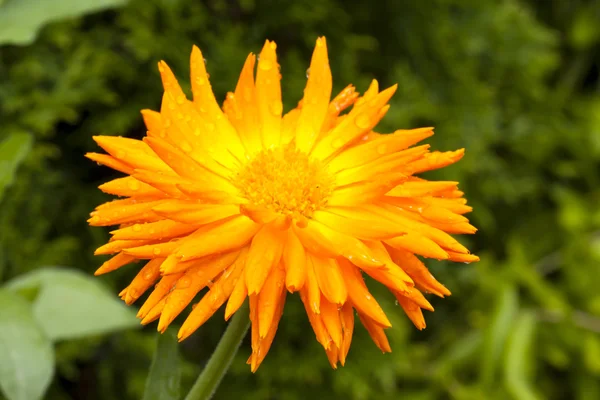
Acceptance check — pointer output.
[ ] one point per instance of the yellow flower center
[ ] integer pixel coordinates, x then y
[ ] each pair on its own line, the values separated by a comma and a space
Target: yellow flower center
285, 180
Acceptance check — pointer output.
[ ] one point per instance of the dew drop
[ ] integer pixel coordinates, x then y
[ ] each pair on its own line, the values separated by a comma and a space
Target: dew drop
200, 81
180, 99
184, 283
276, 108
247, 94
382, 149
362, 121
134, 184
156, 251
265, 65
307, 73
396, 302
210, 126
148, 275
185, 146
337, 143
137, 227
152, 231
368, 296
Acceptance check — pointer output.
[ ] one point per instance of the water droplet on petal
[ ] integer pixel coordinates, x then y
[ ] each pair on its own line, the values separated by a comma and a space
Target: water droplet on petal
337, 143
180, 99
307, 73
382, 148
200, 81
148, 275
276, 108
137, 228
265, 65
184, 283
156, 251
185, 146
210, 126
134, 184
362, 121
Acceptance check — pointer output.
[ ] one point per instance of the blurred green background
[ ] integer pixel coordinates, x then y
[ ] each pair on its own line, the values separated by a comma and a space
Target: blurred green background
515, 82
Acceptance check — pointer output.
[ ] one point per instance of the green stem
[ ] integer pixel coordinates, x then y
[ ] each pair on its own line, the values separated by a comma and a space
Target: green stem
216, 368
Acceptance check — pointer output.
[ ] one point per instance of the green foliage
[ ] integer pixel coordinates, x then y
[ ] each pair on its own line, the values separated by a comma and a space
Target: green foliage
514, 82
20, 20
42, 307
164, 377
70, 304
12, 151
26, 353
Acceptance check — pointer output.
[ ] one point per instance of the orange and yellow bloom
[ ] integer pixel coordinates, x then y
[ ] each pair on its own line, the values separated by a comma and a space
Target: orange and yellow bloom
252, 203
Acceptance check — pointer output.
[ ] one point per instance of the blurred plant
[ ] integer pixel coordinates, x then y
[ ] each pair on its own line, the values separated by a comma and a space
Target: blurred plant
514, 82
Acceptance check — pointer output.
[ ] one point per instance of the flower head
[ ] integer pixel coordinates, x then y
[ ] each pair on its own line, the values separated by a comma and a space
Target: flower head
248, 202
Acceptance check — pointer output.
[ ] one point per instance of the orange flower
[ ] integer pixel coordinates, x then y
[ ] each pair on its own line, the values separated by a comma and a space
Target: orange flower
249, 202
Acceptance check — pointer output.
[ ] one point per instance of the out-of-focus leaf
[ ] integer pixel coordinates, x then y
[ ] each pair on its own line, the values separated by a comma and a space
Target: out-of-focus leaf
518, 358
165, 375
12, 152
495, 338
71, 304
585, 30
20, 20
26, 354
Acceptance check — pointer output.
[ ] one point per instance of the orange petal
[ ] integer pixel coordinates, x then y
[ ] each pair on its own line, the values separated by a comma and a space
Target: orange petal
110, 162
162, 288
114, 263
359, 295
194, 280
323, 241
375, 149
361, 119
331, 319
268, 93
268, 299
143, 280
330, 280
159, 230
376, 332
294, 260
231, 234
316, 98
265, 253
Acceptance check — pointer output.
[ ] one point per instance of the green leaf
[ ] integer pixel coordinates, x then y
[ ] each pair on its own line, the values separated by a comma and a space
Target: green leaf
164, 377
506, 309
20, 20
71, 304
26, 354
12, 152
518, 358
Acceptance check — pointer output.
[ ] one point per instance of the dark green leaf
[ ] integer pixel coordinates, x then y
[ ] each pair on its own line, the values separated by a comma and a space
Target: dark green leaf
164, 377
71, 304
26, 354
12, 152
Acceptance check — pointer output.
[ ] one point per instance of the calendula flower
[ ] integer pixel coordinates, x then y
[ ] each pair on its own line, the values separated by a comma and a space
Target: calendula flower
248, 202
